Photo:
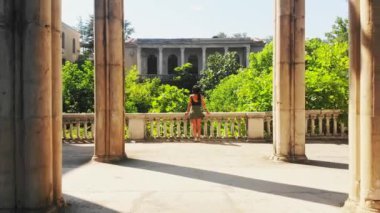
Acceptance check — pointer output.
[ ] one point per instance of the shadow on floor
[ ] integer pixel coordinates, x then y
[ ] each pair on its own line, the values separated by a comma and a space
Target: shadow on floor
74, 204
74, 156
286, 190
325, 164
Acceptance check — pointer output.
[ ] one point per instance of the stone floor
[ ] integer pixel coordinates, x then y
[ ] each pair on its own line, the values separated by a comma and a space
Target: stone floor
205, 177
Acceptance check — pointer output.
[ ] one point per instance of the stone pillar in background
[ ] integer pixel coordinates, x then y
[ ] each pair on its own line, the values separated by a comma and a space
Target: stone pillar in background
247, 51
182, 56
30, 164
354, 102
109, 80
138, 56
225, 50
289, 81
204, 58
160, 61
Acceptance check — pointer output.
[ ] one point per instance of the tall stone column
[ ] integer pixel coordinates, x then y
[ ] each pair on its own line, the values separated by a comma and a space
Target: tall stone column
56, 40
29, 106
354, 103
204, 58
247, 52
289, 81
160, 61
370, 105
182, 56
109, 79
138, 56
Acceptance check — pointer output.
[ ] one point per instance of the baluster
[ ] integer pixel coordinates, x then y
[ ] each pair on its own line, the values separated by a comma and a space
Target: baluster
171, 127
185, 128
320, 124
158, 123
342, 129
267, 123
164, 123
205, 128
312, 120
328, 131
219, 128
232, 124
71, 130
178, 127
77, 125
335, 123
64, 130
85, 130
92, 130
151, 123
212, 128
225, 127
239, 128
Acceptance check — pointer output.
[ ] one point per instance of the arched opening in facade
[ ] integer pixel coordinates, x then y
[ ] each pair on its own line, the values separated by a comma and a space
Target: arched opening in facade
172, 63
193, 60
152, 64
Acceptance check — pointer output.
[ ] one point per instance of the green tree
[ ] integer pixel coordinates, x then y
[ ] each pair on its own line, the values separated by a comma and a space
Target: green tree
248, 90
170, 99
183, 78
139, 95
78, 87
339, 32
326, 75
218, 67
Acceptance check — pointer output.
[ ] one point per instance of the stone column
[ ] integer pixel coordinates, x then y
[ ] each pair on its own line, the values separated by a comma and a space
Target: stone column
139, 67
225, 50
29, 105
204, 58
354, 103
160, 61
56, 24
182, 56
370, 106
109, 81
247, 51
289, 81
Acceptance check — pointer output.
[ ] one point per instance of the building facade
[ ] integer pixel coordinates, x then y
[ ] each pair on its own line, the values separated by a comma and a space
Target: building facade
161, 56
70, 43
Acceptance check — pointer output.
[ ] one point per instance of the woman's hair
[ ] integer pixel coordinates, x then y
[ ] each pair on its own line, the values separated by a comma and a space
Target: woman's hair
196, 90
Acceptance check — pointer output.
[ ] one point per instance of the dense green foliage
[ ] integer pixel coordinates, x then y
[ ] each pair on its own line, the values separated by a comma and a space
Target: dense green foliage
218, 67
248, 90
183, 78
150, 95
78, 87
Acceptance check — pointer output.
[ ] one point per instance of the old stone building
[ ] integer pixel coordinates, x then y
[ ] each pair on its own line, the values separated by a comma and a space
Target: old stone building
70, 43
161, 56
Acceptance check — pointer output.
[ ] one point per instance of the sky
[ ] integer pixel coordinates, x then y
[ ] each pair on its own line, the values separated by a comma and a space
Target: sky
206, 18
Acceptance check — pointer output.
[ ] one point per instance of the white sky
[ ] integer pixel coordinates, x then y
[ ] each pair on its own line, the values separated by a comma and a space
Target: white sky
205, 18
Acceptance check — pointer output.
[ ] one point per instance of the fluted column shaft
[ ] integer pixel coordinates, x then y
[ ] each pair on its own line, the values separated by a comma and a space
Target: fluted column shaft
109, 79
289, 81
30, 105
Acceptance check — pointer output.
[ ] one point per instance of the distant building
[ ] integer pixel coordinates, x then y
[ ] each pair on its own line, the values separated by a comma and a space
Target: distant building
70, 43
161, 56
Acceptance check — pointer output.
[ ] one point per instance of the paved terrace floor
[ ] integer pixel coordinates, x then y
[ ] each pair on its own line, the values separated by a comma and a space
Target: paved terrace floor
205, 177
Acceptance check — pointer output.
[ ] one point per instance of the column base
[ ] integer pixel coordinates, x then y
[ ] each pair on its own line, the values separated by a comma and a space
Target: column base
287, 158
350, 206
108, 158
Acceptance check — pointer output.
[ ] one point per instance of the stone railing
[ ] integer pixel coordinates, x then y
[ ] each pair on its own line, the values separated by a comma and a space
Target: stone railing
218, 126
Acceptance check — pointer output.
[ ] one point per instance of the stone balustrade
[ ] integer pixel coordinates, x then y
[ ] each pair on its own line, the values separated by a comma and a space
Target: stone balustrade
239, 126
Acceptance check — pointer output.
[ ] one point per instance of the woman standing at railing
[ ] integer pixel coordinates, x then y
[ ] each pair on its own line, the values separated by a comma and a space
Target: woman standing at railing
196, 103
